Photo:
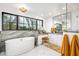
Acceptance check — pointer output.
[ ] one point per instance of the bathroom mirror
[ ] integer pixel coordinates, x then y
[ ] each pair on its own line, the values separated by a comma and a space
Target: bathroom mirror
62, 22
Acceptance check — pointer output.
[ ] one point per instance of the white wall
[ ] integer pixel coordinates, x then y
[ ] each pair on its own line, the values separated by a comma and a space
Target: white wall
48, 24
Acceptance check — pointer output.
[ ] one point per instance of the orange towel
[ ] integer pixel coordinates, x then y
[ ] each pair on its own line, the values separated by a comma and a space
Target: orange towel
65, 49
75, 46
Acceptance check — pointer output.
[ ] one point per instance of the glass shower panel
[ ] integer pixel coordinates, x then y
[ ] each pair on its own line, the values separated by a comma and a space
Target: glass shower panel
74, 21
66, 21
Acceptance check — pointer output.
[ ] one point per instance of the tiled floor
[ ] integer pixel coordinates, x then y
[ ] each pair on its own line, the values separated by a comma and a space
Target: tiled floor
52, 47
41, 51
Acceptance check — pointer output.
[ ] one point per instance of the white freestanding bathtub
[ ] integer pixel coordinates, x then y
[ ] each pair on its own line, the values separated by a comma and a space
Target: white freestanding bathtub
19, 45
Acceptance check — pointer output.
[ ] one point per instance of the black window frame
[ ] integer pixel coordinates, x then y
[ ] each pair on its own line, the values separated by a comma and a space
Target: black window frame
23, 23
9, 25
17, 21
39, 24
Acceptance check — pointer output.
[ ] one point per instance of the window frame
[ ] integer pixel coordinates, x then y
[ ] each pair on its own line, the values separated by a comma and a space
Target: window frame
9, 25
17, 22
39, 24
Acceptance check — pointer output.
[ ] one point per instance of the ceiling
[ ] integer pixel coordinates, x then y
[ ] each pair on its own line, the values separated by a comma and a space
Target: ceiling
43, 10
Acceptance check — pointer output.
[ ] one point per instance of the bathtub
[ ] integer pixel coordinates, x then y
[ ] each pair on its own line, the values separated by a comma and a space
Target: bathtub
19, 45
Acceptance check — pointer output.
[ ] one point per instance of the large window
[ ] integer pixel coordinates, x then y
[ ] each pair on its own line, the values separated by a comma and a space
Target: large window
40, 25
17, 22
34, 24
30, 24
9, 22
23, 23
